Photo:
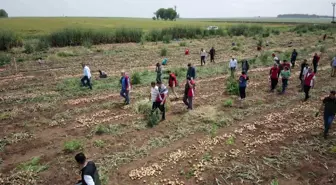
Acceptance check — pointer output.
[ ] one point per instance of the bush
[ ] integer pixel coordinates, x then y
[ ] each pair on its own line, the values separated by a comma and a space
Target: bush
101, 129
4, 59
42, 45
232, 86
136, 78
260, 43
71, 146
153, 118
275, 32
143, 107
28, 48
167, 39
228, 103
183, 44
164, 52
8, 40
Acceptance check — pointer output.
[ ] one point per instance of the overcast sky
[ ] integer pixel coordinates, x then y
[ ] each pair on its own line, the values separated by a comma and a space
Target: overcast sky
145, 8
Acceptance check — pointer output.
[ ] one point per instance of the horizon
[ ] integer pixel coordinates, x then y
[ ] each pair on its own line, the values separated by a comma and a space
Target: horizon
145, 8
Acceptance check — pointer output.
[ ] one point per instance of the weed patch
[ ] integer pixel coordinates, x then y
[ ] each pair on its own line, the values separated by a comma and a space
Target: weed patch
72, 146
99, 143
228, 103
33, 165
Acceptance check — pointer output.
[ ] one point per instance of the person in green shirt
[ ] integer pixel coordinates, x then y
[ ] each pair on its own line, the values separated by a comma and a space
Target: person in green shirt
285, 74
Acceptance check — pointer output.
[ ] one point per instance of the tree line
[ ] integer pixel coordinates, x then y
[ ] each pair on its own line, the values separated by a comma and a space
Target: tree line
166, 14
302, 16
3, 13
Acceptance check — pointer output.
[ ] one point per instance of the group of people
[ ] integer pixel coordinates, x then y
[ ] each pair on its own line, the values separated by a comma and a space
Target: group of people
204, 54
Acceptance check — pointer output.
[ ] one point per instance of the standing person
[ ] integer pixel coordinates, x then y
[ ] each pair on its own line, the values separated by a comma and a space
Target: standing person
333, 67
276, 59
242, 85
125, 87
324, 37
86, 79
303, 65
233, 65
158, 71
245, 66
189, 93
293, 58
274, 76
89, 171
304, 72
172, 82
212, 54
203, 55
329, 107
154, 93
316, 59
285, 74
161, 99
191, 71
309, 82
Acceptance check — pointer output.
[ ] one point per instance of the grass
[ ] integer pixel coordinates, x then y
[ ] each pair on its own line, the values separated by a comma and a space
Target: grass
33, 165
230, 141
228, 103
99, 143
72, 146
113, 129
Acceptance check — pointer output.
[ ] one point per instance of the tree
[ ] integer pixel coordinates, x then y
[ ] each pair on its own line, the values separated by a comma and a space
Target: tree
3, 13
166, 14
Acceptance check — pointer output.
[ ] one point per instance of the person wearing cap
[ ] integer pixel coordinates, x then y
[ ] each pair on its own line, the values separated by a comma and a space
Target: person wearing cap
125, 87
191, 71
329, 107
89, 171
86, 79
189, 93
309, 82
285, 74
233, 65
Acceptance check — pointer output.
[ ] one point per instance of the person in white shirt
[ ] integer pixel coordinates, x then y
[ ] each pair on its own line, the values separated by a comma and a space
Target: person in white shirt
203, 55
233, 65
304, 73
276, 59
86, 79
154, 94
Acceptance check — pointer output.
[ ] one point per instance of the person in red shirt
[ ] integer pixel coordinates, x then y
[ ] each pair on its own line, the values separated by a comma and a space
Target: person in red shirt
285, 64
309, 82
172, 82
274, 76
189, 93
316, 59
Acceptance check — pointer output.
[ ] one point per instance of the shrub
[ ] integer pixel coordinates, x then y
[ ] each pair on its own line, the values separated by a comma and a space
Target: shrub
143, 107
183, 44
275, 32
71, 146
266, 34
260, 43
99, 143
232, 86
101, 129
164, 52
4, 59
42, 45
33, 165
153, 118
228, 103
28, 48
8, 40
167, 39
136, 78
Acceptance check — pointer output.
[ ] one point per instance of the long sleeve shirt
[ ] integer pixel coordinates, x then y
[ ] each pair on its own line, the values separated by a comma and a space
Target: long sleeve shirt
87, 72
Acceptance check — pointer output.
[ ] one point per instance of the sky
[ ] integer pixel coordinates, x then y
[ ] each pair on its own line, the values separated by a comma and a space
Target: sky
145, 8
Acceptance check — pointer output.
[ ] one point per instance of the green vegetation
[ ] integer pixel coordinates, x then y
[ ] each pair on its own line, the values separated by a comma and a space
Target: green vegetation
164, 52
3, 13
34, 165
8, 40
113, 129
4, 59
72, 146
232, 86
136, 78
153, 118
143, 106
99, 143
230, 141
228, 103
183, 44
165, 14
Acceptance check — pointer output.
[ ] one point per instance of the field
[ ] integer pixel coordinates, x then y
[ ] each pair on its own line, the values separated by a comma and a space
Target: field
46, 117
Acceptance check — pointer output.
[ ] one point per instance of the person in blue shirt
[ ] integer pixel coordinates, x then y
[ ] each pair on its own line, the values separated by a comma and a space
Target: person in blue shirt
191, 71
125, 87
242, 85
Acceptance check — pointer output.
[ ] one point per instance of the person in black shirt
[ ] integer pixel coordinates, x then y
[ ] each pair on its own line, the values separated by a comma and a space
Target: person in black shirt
329, 106
191, 71
102, 74
303, 65
89, 172
212, 54
293, 58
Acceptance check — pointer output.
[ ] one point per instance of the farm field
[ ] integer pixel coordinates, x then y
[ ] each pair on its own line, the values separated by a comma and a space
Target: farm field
40, 26
46, 117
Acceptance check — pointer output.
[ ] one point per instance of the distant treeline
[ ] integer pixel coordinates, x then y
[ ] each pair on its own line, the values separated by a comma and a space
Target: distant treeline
302, 16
